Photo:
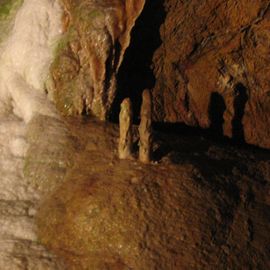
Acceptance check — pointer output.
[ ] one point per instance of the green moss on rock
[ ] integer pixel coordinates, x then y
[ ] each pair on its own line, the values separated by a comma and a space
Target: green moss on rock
8, 9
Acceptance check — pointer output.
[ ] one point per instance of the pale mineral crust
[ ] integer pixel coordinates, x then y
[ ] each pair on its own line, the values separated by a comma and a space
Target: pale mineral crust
216, 47
83, 75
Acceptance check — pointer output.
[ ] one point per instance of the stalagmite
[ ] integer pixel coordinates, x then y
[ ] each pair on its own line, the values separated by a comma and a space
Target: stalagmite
145, 128
126, 136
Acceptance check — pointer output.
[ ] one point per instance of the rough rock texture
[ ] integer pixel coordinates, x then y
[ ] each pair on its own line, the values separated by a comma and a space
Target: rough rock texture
204, 206
19, 247
25, 31
97, 35
125, 145
212, 68
145, 128
49, 155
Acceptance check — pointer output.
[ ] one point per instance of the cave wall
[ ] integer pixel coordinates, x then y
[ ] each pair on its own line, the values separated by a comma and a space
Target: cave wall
210, 62
83, 74
213, 67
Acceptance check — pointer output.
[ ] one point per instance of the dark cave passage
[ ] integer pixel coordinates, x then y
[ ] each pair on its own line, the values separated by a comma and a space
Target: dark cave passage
216, 111
240, 100
135, 73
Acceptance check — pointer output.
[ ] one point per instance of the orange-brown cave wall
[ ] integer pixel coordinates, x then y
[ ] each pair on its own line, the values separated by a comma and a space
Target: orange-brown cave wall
212, 68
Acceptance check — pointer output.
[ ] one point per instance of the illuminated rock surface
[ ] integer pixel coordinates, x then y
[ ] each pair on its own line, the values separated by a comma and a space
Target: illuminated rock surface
125, 144
83, 75
212, 48
25, 55
211, 67
204, 206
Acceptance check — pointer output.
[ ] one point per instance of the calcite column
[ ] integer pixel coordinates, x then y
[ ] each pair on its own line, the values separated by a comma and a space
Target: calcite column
145, 128
125, 126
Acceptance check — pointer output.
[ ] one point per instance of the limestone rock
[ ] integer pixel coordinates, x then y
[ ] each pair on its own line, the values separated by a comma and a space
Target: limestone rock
216, 47
97, 35
116, 226
125, 130
49, 155
145, 128
209, 209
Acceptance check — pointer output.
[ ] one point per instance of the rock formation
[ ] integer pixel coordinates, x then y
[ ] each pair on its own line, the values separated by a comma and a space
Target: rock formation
125, 129
83, 74
145, 128
216, 47
205, 211
219, 47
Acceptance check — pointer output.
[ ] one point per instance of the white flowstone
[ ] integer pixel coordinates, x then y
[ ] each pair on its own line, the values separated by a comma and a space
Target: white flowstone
25, 57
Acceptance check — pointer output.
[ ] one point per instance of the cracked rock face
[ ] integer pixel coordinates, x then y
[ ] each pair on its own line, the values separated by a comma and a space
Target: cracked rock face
212, 69
97, 35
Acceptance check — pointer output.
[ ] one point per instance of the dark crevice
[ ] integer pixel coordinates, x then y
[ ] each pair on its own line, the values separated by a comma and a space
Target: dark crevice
135, 73
216, 111
108, 74
117, 49
239, 104
111, 65
196, 134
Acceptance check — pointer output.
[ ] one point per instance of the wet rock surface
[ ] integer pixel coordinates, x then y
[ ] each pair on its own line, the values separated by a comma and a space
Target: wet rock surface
50, 153
209, 49
202, 205
27, 29
83, 75
19, 246
206, 63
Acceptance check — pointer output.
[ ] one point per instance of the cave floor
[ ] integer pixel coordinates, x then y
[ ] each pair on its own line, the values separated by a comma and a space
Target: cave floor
212, 199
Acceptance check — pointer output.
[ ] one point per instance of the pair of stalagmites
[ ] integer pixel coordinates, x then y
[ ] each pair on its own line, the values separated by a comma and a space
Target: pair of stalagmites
125, 148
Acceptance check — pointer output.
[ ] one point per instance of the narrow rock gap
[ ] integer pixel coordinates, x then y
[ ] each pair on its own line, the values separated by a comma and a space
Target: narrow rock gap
241, 98
135, 73
216, 111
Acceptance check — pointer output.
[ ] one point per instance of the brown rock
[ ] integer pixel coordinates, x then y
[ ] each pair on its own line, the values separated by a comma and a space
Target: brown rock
145, 128
216, 47
206, 211
125, 129
104, 225
87, 60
